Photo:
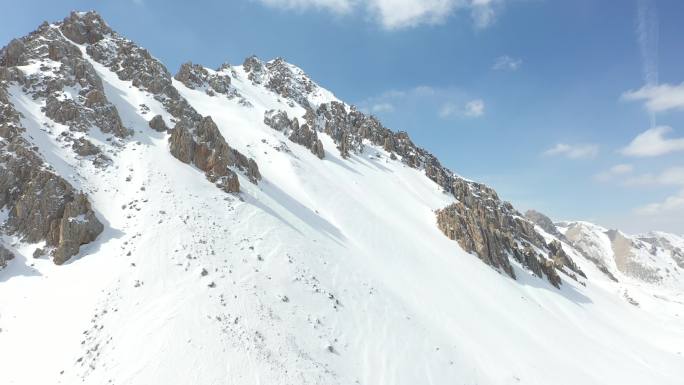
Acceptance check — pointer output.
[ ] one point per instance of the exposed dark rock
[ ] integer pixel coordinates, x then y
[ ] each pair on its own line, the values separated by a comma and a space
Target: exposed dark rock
84, 147
95, 98
210, 153
494, 231
13, 54
195, 76
282, 78
303, 134
192, 75
194, 139
558, 255
84, 28
42, 206
157, 123
544, 222
78, 226
5, 256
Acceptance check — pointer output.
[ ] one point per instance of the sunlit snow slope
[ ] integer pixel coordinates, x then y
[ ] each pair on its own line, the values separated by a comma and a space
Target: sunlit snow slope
328, 272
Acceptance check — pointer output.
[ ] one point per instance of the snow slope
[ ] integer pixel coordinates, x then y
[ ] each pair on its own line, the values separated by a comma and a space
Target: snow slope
327, 272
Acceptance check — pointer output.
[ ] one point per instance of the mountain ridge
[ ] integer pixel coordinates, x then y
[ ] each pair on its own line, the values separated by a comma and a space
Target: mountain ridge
257, 229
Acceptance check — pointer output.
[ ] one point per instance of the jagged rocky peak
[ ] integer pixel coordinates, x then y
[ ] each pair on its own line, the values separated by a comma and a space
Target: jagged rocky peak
544, 222
287, 80
54, 67
41, 205
195, 76
188, 141
85, 27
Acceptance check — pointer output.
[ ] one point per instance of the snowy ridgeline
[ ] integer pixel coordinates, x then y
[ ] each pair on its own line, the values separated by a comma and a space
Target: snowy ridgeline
324, 271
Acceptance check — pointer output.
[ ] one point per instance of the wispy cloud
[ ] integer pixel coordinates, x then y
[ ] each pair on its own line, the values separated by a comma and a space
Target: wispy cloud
452, 102
396, 14
471, 109
335, 6
506, 63
619, 170
575, 151
659, 98
653, 142
382, 107
647, 37
672, 176
672, 205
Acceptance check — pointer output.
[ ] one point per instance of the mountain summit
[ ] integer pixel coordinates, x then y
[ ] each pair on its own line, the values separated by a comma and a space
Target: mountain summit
244, 225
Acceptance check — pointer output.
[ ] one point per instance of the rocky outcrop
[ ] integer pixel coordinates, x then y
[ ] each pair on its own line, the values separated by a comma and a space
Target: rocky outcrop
194, 139
14, 54
5, 256
42, 206
203, 145
195, 76
84, 27
544, 222
84, 147
62, 70
303, 135
157, 123
478, 220
282, 78
77, 226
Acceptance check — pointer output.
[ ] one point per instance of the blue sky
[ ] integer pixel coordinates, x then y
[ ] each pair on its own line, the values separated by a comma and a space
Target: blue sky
575, 108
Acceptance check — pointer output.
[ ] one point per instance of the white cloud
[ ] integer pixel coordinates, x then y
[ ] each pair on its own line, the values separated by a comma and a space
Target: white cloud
382, 107
659, 98
395, 14
653, 142
472, 109
577, 151
335, 6
672, 176
672, 205
507, 63
615, 171
647, 37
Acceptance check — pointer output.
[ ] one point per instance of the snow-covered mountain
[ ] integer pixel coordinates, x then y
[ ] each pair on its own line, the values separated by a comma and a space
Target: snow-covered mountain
242, 225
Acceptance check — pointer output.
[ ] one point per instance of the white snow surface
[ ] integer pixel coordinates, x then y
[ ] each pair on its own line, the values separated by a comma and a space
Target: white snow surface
328, 272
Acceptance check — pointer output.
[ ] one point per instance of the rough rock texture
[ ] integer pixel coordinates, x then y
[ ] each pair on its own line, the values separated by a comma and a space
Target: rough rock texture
195, 76
493, 231
193, 139
42, 205
207, 150
157, 123
84, 27
13, 54
623, 250
63, 70
281, 77
479, 221
84, 147
304, 134
77, 227
544, 222
5, 255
